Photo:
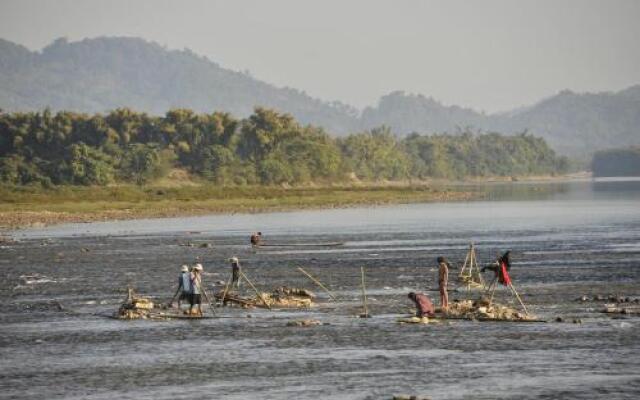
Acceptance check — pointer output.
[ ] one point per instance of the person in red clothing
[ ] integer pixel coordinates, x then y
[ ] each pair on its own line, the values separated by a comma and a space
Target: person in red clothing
501, 268
423, 304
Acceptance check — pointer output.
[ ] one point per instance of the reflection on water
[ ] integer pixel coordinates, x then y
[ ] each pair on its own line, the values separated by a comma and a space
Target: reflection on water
582, 189
568, 240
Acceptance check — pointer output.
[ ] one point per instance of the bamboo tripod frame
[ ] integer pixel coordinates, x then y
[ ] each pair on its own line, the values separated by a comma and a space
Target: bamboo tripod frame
470, 272
492, 288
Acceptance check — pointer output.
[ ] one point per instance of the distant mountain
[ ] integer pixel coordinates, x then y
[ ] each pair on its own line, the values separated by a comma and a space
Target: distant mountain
573, 124
407, 113
578, 124
97, 75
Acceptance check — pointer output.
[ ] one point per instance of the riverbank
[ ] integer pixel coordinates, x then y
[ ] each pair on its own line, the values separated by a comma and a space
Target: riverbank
34, 207
29, 206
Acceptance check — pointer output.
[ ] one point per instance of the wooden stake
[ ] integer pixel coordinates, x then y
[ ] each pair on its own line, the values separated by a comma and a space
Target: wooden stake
204, 292
211, 306
364, 296
519, 299
224, 294
317, 282
254, 289
492, 289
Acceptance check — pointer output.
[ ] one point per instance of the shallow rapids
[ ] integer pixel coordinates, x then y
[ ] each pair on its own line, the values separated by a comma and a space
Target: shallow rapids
59, 283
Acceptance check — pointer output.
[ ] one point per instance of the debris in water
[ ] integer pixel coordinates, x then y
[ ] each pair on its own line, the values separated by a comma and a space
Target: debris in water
282, 297
414, 320
7, 240
611, 298
481, 310
33, 279
304, 322
615, 309
408, 397
134, 307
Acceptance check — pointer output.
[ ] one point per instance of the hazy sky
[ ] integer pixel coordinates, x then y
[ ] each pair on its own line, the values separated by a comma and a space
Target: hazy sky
489, 55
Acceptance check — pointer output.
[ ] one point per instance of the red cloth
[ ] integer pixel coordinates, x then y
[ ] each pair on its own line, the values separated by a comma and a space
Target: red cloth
424, 305
503, 276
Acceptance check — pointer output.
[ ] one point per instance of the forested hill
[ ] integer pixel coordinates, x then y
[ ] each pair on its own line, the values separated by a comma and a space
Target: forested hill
573, 124
99, 75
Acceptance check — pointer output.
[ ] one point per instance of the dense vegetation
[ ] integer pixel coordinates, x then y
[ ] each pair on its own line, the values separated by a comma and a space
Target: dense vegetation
97, 75
617, 162
266, 148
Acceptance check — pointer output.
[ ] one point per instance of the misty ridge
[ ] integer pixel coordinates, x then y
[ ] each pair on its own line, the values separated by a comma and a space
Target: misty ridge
103, 74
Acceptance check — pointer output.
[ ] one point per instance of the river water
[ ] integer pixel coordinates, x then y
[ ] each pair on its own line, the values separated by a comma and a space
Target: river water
567, 240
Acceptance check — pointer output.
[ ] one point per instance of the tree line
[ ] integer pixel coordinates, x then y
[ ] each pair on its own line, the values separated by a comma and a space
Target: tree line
268, 147
617, 162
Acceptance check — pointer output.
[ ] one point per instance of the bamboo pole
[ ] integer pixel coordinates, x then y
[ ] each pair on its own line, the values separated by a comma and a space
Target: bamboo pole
464, 266
254, 289
224, 294
518, 297
492, 289
212, 306
475, 259
364, 296
317, 282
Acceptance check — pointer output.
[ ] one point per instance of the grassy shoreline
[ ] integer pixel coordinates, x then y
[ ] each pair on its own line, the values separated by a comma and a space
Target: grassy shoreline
23, 207
31, 207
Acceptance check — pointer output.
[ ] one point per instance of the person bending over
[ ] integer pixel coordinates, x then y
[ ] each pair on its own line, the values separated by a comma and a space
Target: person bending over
424, 306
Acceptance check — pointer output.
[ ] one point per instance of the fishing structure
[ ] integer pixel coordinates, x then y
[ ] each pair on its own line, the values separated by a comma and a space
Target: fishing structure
470, 275
282, 297
502, 277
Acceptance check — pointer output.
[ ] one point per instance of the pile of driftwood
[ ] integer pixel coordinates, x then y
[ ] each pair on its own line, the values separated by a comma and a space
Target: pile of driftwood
483, 309
610, 298
134, 307
282, 297
618, 309
616, 304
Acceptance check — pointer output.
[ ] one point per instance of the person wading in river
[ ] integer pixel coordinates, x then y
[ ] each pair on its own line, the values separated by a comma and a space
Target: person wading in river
424, 306
196, 289
235, 273
184, 286
443, 279
255, 239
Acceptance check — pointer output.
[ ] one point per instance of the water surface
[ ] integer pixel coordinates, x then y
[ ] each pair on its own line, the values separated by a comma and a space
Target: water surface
567, 240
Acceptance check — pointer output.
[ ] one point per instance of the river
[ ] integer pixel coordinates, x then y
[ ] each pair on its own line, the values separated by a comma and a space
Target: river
567, 240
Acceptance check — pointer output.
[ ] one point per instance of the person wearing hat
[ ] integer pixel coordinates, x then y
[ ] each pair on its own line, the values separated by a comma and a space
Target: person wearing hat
235, 273
443, 280
196, 289
184, 286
